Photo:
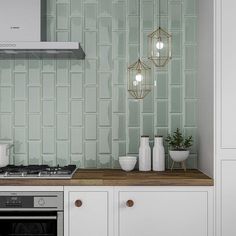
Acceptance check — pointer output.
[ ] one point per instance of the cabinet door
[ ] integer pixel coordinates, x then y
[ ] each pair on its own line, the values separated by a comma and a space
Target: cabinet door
90, 216
163, 213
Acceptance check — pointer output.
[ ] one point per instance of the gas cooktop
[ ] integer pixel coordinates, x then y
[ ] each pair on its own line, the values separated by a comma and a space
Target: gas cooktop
37, 172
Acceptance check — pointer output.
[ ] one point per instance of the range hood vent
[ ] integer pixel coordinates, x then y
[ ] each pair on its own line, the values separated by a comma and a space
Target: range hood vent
23, 33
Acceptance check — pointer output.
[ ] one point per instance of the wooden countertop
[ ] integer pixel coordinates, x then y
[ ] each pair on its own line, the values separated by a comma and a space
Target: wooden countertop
110, 177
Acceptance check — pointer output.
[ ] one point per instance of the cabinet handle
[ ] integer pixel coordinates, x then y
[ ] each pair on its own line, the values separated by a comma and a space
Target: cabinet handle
129, 203
78, 203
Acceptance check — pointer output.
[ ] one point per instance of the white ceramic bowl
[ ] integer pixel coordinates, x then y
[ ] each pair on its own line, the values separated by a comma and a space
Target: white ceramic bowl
127, 163
179, 156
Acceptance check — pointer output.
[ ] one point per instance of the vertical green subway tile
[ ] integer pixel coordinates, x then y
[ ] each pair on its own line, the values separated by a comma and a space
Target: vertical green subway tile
62, 151
90, 99
90, 126
119, 15
51, 28
119, 44
118, 149
119, 99
105, 58
34, 99
76, 85
76, 65
177, 43
133, 53
62, 36
76, 8
48, 140
148, 103
51, 8
105, 8
90, 13
164, 7
48, 85
20, 113
162, 85
34, 72
62, 127
176, 122
148, 124
6, 127
190, 30
118, 127
105, 80
91, 44
105, 112
62, 16
20, 159
48, 113
20, 65
133, 7
90, 71
5, 99
62, 72
76, 113
62, 99
104, 140
49, 65
189, 7
176, 99
90, 154
176, 71
20, 140
175, 8
76, 30
119, 75
105, 30
133, 29
104, 161
190, 113
147, 14
35, 153
190, 85
49, 160
134, 136
134, 113
77, 160
192, 132
162, 113
190, 57
20, 85
77, 140
6, 72
34, 129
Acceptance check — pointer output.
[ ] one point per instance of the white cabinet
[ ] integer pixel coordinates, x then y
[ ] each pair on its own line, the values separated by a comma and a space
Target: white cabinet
165, 211
87, 211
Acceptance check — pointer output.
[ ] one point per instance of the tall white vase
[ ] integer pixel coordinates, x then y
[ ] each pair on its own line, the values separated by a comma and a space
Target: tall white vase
158, 157
144, 154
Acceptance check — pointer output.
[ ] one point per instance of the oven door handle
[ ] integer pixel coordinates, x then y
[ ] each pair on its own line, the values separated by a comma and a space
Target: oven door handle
28, 217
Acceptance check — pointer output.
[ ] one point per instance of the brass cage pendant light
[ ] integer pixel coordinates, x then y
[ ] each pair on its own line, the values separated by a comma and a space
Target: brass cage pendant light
159, 45
139, 75
139, 84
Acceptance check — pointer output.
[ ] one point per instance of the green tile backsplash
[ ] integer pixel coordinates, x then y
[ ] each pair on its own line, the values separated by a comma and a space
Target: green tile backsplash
79, 111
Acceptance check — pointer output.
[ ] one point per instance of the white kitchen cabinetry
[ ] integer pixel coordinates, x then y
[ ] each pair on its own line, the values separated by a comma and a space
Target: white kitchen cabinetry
165, 211
88, 211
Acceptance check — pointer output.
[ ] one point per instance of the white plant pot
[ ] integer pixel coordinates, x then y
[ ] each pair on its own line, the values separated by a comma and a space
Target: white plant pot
179, 156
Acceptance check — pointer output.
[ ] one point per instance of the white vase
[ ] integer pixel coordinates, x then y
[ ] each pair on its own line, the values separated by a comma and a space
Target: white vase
158, 156
144, 154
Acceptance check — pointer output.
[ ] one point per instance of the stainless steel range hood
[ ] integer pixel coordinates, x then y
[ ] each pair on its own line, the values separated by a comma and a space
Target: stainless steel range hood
23, 32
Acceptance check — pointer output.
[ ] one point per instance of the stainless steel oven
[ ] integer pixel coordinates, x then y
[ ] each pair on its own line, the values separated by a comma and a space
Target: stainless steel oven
31, 213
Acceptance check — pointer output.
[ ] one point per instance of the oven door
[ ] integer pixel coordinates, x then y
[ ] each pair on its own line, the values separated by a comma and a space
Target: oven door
32, 223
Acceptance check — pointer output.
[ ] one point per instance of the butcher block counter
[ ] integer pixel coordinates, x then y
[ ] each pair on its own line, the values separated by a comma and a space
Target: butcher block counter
111, 177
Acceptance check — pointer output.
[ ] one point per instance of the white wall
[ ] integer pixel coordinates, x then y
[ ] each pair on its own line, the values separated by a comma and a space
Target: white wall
205, 86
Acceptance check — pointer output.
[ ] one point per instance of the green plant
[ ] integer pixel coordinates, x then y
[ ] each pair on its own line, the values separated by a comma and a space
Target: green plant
178, 142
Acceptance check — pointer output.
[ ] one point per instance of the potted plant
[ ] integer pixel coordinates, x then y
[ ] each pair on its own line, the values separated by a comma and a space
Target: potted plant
179, 146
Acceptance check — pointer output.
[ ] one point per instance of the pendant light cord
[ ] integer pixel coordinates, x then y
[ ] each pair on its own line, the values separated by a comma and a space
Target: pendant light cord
139, 26
159, 13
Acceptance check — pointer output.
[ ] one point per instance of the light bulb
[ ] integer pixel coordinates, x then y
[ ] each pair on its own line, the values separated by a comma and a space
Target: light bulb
139, 77
159, 44
135, 83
